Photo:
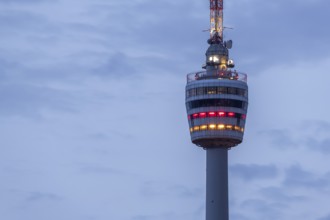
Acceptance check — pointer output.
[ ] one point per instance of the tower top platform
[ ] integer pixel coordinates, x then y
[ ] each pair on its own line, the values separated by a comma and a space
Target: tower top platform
217, 74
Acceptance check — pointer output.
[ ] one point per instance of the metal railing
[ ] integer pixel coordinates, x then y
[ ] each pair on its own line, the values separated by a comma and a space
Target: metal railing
217, 74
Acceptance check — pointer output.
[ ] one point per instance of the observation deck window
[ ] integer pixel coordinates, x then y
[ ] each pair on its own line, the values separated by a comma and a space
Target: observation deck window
216, 103
216, 90
211, 90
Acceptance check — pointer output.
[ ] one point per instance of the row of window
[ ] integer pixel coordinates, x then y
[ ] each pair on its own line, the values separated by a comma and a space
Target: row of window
216, 90
216, 103
216, 114
216, 127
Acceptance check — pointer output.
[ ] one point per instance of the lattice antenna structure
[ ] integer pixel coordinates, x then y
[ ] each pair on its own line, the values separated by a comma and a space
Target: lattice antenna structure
216, 20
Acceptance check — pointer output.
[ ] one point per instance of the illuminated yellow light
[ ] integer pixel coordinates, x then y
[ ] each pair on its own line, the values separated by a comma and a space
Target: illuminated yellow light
229, 126
203, 127
212, 126
216, 126
221, 126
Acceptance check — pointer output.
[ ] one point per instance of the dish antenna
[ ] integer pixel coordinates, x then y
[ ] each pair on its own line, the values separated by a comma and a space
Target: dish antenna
229, 44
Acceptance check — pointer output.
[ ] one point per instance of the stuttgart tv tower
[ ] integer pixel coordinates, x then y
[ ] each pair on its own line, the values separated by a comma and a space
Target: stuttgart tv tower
216, 103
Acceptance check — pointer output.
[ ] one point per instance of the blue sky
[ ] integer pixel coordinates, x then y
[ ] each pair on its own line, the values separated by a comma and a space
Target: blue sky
92, 116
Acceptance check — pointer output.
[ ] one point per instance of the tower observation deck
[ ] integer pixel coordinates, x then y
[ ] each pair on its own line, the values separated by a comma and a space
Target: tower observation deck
216, 104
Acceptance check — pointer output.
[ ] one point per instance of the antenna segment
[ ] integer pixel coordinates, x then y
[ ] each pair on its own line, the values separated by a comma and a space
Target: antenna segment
216, 20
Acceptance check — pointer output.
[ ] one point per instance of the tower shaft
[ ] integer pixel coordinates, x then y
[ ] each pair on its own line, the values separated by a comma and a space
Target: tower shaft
217, 184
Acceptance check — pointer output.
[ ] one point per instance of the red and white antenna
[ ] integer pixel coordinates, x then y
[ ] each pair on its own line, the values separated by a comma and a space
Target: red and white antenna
216, 20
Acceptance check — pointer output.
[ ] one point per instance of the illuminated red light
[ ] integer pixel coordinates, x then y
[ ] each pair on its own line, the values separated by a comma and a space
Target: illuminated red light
212, 114
195, 115
231, 114
215, 114
222, 114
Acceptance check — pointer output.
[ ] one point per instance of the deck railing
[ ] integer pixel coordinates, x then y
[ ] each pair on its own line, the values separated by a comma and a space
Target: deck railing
217, 74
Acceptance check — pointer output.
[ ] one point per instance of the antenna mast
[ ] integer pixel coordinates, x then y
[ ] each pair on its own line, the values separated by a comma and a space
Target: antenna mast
216, 21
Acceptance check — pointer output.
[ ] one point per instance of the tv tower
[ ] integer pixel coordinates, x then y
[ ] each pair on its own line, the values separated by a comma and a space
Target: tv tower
216, 103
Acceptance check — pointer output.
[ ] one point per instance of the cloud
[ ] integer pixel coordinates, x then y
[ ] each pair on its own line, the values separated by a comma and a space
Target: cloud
23, 23
155, 189
237, 216
186, 192
42, 196
315, 133
93, 169
252, 172
296, 176
281, 138
325, 218
119, 65
23, 1
322, 146
29, 100
143, 217
163, 216
280, 195
263, 209
277, 32
310, 135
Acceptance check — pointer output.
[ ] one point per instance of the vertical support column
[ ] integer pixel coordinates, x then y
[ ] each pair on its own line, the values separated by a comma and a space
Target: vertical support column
217, 184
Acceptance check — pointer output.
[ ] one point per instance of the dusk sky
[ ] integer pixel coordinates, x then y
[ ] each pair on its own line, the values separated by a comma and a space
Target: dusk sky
93, 123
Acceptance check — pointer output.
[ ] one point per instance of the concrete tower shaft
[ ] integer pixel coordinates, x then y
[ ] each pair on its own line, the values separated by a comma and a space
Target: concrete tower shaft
217, 184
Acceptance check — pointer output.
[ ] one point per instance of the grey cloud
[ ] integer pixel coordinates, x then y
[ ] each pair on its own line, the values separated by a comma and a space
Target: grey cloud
152, 189
278, 194
22, 22
316, 139
312, 138
237, 216
118, 65
163, 216
5, 67
23, 1
174, 39
281, 139
103, 170
42, 196
155, 189
28, 100
264, 209
186, 192
297, 177
283, 27
325, 218
122, 66
253, 171
315, 126
143, 217
320, 145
